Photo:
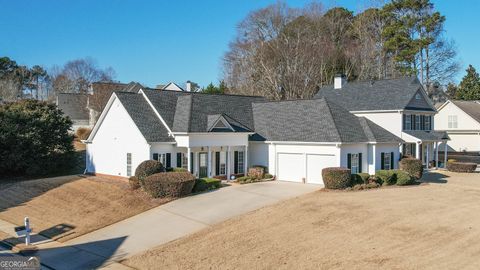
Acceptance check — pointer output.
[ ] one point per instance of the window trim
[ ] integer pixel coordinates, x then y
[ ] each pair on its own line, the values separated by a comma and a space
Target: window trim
387, 157
129, 164
354, 163
408, 122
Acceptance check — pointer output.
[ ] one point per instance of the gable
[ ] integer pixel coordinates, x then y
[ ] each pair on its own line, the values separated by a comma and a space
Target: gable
419, 101
464, 120
172, 86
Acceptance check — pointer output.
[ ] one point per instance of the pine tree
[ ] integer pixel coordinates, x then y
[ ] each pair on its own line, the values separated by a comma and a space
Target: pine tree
469, 88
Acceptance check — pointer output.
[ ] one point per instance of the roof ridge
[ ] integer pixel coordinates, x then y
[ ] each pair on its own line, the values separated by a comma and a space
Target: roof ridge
199, 93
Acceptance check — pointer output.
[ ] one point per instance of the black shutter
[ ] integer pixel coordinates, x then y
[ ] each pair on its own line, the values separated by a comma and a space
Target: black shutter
179, 160
359, 162
217, 163
235, 162
404, 122
392, 161
422, 122
413, 122
155, 156
349, 161
169, 160
382, 161
191, 162
430, 122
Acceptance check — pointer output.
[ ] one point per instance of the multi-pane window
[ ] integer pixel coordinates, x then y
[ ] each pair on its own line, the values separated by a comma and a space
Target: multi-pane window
417, 122
223, 163
387, 161
355, 163
427, 124
452, 121
129, 164
184, 161
240, 162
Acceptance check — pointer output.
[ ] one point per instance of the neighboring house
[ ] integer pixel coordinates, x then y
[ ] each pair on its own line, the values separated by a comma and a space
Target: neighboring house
461, 120
222, 135
75, 107
401, 106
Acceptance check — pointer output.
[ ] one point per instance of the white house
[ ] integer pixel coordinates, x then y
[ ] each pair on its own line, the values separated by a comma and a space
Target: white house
461, 120
400, 106
222, 135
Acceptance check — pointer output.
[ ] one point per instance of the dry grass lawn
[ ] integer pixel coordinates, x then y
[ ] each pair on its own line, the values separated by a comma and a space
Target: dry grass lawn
433, 226
65, 207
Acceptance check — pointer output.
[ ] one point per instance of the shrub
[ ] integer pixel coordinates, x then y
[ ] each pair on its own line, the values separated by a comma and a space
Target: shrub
83, 133
147, 168
34, 139
204, 184
404, 178
387, 177
336, 177
360, 178
365, 186
461, 167
169, 184
257, 172
134, 183
268, 176
412, 166
179, 169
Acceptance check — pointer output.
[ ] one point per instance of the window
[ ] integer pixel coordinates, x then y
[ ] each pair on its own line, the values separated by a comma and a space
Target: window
129, 164
387, 165
354, 163
164, 158
239, 162
184, 161
418, 122
417, 96
223, 163
408, 122
428, 124
452, 121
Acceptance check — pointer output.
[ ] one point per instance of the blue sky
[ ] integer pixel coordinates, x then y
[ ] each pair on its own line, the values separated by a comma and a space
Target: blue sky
159, 41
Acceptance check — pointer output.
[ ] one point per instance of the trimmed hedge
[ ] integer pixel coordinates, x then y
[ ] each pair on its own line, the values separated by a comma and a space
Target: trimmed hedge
169, 184
133, 182
147, 168
204, 184
387, 177
336, 177
360, 178
461, 167
404, 178
412, 166
268, 176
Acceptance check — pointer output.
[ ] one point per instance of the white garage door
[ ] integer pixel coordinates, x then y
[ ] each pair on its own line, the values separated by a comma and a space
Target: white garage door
315, 164
291, 167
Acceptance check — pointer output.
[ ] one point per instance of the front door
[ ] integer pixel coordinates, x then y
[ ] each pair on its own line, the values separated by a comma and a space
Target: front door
202, 165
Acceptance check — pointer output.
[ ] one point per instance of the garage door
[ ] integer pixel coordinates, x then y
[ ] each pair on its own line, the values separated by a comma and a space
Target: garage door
315, 164
291, 167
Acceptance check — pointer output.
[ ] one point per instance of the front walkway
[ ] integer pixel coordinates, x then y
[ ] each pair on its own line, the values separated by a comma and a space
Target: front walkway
166, 223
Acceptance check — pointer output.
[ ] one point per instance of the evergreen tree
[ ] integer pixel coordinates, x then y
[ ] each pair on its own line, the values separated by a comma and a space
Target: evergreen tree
451, 90
469, 88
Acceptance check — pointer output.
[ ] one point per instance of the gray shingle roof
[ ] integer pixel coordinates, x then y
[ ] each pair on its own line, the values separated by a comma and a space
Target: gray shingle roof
314, 121
428, 135
188, 111
74, 105
390, 94
144, 117
471, 108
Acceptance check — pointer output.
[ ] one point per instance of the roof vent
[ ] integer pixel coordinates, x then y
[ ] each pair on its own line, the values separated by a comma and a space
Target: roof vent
339, 81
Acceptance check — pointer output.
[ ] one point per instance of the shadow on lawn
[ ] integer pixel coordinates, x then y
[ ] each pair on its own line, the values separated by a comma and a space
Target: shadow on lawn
435, 177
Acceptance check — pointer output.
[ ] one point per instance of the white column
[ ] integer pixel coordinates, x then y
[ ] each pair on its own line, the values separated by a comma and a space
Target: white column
445, 155
436, 155
228, 162
209, 162
245, 160
189, 166
417, 151
428, 154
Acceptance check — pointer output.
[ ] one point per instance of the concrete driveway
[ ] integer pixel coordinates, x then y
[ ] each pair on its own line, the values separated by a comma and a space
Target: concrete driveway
185, 216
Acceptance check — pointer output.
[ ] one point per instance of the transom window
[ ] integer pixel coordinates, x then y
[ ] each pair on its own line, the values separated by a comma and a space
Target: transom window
355, 163
452, 121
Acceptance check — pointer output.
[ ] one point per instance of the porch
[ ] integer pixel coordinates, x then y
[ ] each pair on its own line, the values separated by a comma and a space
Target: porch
425, 146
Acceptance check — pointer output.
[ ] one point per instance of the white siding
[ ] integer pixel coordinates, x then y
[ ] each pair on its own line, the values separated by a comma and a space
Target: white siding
465, 122
463, 142
354, 149
386, 148
391, 121
117, 136
258, 154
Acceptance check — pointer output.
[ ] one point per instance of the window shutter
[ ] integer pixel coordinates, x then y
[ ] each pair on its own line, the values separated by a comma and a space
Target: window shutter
413, 121
349, 161
191, 161
217, 163
430, 122
235, 162
179, 160
169, 160
422, 122
392, 160
382, 162
155, 156
359, 162
404, 121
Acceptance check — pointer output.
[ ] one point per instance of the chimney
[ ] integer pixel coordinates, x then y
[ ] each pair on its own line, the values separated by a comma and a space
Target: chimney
339, 81
189, 86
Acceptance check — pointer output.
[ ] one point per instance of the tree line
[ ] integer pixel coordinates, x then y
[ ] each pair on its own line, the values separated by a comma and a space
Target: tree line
23, 82
285, 53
